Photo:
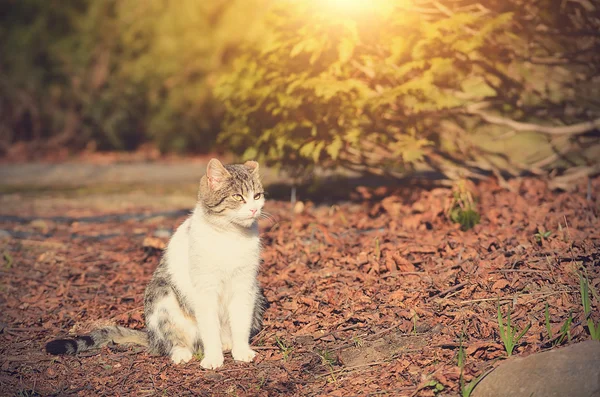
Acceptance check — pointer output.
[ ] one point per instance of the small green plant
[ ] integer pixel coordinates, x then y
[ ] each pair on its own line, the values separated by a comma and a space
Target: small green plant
261, 382
584, 289
465, 389
437, 386
327, 357
286, 350
199, 355
508, 333
462, 209
542, 235
415, 317
8, 260
357, 341
565, 329
328, 360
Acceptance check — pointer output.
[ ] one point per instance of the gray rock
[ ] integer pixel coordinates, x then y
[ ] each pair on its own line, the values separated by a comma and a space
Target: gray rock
4, 234
572, 371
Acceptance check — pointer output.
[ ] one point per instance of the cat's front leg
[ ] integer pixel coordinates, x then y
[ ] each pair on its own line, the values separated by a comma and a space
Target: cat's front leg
207, 316
244, 292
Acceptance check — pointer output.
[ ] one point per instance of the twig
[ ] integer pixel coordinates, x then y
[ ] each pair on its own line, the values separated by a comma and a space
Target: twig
511, 299
353, 368
519, 271
448, 290
265, 348
354, 326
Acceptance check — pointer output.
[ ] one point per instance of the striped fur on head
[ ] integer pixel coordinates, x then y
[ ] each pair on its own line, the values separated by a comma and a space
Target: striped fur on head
231, 193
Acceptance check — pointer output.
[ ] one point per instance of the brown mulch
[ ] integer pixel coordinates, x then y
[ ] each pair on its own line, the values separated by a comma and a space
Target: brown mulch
367, 297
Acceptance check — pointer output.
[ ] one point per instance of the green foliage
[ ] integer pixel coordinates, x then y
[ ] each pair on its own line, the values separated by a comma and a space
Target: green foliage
466, 388
117, 72
435, 385
542, 235
508, 332
328, 359
8, 260
286, 350
565, 329
466, 218
298, 83
353, 91
199, 355
584, 289
462, 209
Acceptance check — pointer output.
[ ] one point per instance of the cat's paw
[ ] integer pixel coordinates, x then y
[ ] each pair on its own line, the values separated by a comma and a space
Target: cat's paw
213, 361
245, 354
180, 355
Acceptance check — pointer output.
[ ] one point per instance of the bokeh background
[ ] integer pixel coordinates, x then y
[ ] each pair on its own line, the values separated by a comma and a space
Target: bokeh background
461, 87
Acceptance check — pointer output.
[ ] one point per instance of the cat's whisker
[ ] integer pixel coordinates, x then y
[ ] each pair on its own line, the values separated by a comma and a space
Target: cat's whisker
269, 218
267, 215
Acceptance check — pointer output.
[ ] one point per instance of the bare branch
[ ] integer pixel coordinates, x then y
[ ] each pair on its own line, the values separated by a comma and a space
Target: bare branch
568, 181
575, 129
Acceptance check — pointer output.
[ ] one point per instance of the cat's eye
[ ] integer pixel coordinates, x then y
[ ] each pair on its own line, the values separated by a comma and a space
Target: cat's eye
238, 197
258, 196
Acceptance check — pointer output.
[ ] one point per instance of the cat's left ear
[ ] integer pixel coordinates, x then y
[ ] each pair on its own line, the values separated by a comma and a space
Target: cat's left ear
252, 166
216, 174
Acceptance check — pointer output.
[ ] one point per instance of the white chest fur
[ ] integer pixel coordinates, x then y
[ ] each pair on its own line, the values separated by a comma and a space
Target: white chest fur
224, 251
198, 247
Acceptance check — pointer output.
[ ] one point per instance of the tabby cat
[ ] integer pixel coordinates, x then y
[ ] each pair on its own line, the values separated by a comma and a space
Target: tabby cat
204, 293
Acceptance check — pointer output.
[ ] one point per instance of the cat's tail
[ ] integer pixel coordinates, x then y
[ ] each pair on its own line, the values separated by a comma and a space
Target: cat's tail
96, 339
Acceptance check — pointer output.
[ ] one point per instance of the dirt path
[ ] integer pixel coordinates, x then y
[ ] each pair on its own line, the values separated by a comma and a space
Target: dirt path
84, 174
367, 297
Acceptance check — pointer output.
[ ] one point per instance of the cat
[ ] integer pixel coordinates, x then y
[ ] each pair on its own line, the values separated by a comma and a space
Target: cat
204, 293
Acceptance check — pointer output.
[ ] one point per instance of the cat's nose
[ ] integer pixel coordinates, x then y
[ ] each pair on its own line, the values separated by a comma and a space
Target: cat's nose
253, 211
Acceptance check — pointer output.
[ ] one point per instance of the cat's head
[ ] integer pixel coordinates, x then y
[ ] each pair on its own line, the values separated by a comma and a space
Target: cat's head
232, 193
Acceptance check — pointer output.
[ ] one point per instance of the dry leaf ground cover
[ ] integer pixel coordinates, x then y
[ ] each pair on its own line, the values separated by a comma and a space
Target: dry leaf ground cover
368, 297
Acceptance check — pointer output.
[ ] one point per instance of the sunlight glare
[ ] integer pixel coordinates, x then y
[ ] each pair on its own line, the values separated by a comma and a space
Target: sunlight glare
351, 6
359, 7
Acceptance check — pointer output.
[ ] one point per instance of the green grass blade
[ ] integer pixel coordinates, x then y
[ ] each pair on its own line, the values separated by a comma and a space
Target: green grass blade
467, 390
548, 327
594, 329
585, 297
523, 333
500, 325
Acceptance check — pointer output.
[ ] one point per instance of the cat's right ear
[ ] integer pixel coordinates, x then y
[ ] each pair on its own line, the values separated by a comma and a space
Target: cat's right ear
216, 174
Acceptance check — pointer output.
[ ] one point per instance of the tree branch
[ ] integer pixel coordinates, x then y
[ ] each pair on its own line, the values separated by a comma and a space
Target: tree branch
575, 129
568, 180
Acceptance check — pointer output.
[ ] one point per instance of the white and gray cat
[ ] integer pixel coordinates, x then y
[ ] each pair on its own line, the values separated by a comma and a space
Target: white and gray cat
204, 293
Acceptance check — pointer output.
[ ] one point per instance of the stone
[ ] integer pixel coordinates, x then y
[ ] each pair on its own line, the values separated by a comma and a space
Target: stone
4, 234
571, 371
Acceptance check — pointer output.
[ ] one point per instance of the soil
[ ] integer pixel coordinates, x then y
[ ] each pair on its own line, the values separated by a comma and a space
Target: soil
374, 295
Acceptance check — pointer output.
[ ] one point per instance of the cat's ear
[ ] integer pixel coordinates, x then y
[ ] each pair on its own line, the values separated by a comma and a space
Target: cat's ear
216, 174
252, 166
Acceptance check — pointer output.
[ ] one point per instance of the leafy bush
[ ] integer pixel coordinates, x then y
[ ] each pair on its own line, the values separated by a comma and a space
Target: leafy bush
115, 72
387, 89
